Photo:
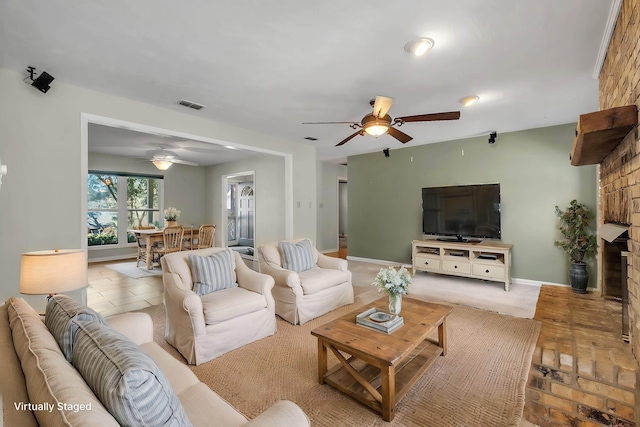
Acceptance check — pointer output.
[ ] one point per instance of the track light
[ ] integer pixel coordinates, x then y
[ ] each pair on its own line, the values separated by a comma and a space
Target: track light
386, 152
42, 82
492, 137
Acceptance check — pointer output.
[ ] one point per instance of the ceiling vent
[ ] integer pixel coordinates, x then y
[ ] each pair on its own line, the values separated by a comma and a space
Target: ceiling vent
190, 104
310, 138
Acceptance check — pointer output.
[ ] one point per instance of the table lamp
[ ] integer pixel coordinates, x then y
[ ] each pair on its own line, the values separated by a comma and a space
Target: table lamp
53, 271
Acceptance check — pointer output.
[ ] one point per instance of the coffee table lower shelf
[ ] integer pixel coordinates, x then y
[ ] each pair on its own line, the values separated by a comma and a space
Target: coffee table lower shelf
405, 374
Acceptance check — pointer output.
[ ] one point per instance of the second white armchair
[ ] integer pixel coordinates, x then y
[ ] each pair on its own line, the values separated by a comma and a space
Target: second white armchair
320, 285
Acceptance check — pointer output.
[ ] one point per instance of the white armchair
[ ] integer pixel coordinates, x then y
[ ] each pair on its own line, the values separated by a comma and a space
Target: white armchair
204, 327
303, 296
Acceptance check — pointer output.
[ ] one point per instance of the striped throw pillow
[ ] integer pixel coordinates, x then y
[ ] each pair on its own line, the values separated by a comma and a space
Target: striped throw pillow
61, 316
127, 380
297, 256
212, 273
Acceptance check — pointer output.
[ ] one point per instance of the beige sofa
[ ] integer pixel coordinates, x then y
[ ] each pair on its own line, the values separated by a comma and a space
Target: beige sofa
303, 296
204, 327
39, 386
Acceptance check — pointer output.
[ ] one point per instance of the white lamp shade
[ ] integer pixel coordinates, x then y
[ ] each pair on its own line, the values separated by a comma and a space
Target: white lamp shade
51, 272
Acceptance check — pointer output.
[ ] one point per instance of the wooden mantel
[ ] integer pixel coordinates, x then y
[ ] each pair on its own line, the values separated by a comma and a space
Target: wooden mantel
597, 134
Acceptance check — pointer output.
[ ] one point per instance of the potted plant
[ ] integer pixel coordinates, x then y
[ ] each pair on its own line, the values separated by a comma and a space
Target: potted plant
395, 283
171, 216
577, 242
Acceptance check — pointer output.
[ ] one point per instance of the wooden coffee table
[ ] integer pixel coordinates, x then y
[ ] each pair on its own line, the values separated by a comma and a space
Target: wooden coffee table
382, 368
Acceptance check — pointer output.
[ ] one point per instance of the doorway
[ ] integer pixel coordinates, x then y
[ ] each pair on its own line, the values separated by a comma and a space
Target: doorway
239, 212
342, 218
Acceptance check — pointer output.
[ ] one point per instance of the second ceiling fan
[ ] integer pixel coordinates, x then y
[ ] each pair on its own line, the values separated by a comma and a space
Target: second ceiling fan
379, 122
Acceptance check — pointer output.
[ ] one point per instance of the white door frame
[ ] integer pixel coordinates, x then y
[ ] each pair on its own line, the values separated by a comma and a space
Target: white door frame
340, 179
225, 183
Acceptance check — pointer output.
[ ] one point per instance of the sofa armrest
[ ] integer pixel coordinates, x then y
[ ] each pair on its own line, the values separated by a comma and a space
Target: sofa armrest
332, 263
281, 413
138, 327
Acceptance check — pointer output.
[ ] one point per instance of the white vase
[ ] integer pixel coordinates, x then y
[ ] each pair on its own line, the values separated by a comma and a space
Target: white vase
395, 304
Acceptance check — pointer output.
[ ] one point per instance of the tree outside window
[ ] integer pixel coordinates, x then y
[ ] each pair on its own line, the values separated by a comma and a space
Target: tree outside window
140, 208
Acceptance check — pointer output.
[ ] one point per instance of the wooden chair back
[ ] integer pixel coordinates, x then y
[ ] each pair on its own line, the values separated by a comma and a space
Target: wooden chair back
173, 239
206, 235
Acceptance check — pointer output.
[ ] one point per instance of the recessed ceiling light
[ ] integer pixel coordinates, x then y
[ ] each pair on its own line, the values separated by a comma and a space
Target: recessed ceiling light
419, 46
469, 100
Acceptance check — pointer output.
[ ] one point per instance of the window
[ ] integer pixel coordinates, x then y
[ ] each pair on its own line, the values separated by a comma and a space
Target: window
113, 196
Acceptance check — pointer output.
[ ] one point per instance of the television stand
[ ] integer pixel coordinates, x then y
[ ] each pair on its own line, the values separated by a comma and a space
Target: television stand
488, 261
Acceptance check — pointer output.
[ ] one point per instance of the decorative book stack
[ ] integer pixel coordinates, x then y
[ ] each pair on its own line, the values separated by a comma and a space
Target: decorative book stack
379, 320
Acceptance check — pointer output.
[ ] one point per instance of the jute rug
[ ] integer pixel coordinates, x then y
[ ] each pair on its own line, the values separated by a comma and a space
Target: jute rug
480, 382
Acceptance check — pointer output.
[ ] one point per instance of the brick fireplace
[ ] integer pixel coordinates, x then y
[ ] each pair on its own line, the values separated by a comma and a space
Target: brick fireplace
619, 85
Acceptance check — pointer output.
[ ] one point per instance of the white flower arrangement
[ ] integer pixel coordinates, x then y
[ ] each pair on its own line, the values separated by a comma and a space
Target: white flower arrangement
171, 214
392, 281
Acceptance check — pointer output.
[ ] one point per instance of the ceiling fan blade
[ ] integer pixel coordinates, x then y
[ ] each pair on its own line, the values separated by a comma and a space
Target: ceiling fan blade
451, 115
329, 123
381, 106
399, 135
347, 139
183, 162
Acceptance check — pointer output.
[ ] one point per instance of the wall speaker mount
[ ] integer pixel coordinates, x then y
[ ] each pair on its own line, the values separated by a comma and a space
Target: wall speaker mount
42, 82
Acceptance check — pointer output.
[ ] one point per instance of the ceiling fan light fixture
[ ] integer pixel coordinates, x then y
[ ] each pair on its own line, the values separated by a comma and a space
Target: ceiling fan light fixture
163, 165
419, 46
469, 100
376, 129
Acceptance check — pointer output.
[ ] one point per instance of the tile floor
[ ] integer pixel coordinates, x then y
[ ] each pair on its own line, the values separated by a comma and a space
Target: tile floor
110, 292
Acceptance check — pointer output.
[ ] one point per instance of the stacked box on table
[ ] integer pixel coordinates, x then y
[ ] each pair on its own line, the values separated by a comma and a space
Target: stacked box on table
387, 327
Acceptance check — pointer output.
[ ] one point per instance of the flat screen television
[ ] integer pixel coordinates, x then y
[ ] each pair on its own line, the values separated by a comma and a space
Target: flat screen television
462, 212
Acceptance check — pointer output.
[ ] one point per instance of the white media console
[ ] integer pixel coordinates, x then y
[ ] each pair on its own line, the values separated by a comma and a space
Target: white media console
487, 261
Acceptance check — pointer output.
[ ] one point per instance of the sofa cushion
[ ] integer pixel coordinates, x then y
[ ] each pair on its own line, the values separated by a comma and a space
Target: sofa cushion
229, 303
49, 376
127, 381
212, 273
318, 279
298, 256
61, 316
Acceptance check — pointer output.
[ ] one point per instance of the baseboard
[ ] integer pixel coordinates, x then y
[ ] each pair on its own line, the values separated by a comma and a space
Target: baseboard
112, 258
328, 251
377, 261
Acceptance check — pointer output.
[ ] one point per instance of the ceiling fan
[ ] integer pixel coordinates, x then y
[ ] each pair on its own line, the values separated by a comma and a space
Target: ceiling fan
163, 159
379, 122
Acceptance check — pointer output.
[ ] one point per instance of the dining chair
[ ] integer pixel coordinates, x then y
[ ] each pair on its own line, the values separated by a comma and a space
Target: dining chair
187, 238
172, 239
206, 235
142, 251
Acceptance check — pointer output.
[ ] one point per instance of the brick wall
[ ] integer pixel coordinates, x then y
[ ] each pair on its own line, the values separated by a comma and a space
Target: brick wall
620, 171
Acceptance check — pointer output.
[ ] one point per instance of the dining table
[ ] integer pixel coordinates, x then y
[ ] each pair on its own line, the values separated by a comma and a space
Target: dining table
152, 236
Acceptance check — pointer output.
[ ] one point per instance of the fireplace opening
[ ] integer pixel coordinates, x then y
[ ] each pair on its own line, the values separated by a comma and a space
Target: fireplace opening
615, 239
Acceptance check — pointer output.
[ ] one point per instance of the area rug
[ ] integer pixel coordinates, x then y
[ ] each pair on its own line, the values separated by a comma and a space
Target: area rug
480, 382
520, 301
130, 269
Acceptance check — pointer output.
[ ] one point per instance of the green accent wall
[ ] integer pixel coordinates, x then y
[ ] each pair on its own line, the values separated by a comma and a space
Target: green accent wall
531, 166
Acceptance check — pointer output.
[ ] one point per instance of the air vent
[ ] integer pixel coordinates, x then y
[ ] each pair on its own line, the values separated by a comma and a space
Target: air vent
190, 104
310, 138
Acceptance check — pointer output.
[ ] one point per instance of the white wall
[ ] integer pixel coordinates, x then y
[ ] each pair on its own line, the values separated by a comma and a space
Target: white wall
40, 141
328, 174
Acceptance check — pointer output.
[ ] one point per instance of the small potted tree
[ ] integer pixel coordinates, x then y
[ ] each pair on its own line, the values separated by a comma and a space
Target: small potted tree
577, 242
